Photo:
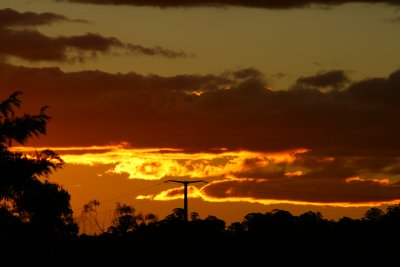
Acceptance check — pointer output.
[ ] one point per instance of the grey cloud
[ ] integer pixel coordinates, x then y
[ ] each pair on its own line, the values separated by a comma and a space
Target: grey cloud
332, 79
31, 45
12, 18
270, 4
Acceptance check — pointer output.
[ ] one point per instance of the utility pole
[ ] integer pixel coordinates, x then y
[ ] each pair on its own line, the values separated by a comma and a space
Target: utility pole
185, 199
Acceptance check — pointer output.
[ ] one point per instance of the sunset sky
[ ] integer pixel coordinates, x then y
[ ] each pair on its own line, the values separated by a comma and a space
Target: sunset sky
289, 104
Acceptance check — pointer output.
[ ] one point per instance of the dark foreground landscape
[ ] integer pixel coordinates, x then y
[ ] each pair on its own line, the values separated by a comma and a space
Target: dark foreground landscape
38, 227
275, 238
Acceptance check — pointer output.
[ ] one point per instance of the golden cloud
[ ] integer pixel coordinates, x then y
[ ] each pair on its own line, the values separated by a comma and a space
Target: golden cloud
155, 164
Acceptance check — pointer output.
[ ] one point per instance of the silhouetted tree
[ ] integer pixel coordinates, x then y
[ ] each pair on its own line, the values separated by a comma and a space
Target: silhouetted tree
393, 213
29, 203
211, 226
194, 216
391, 218
178, 215
311, 221
281, 218
124, 221
277, 222
347, 222
374, 215
236, 229
150, 218
88, 220
310, 218
127, 221
254, 222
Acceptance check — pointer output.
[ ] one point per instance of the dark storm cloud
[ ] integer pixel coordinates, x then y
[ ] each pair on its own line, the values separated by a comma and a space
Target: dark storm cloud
31, 45
229, 111
272, 4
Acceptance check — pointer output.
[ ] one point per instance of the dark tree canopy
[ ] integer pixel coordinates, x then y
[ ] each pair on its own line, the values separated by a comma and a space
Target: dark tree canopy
30, 205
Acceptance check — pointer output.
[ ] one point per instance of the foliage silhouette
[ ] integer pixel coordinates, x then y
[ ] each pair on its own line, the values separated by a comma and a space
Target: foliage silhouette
124, 221
88, 220
30, 205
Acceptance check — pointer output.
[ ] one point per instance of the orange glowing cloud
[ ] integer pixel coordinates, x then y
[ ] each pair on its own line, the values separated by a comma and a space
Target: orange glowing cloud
255, 191
155, 164
197, 93
294, 177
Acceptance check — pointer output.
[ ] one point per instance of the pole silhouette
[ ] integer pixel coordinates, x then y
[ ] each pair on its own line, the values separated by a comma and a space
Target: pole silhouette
185, 199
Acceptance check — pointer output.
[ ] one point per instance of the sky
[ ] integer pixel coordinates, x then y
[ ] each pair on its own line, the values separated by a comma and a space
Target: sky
275, 104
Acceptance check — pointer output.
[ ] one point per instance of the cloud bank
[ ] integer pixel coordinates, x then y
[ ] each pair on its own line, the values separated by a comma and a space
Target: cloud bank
349, 132
295, 177
20, 39
234, 110
12, 18
270, 4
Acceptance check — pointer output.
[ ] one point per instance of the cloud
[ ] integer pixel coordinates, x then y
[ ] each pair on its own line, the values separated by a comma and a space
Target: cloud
392, 20
352, 192
235, 113
331, 79
296, 177
319, 188
312, 179
155, 51
271, 4
380, 92
156, 164
13, 18
31, 45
